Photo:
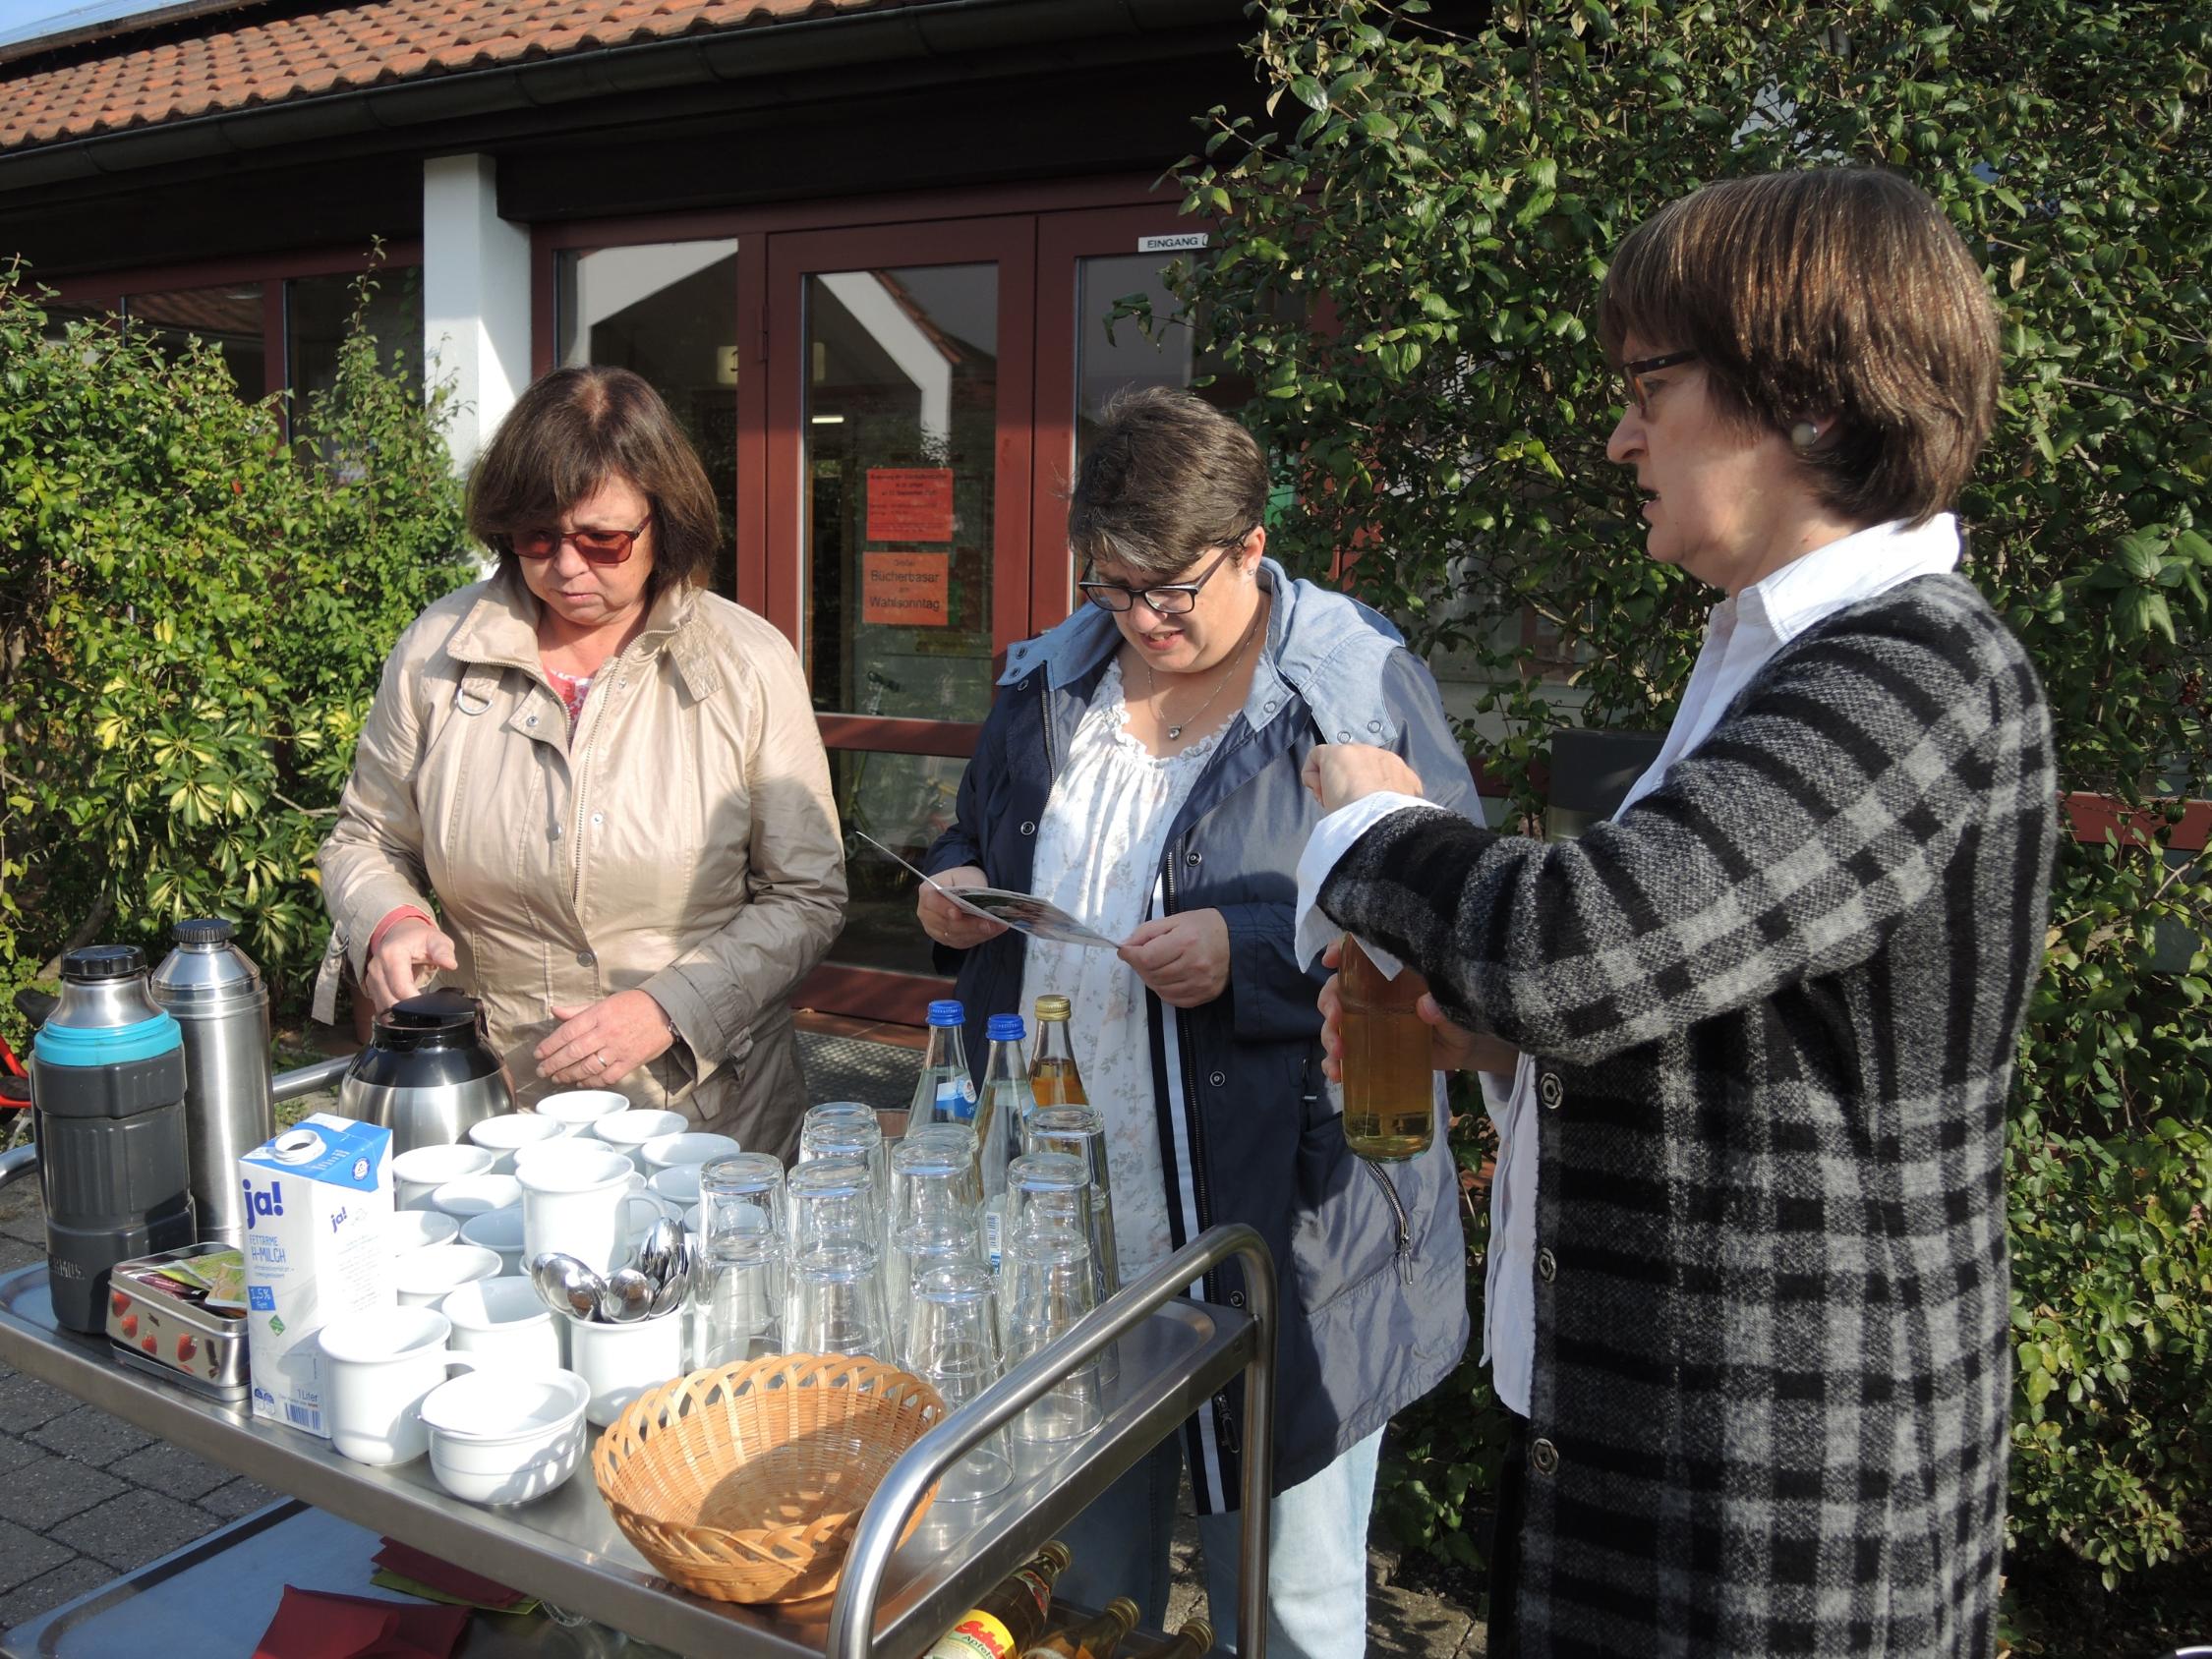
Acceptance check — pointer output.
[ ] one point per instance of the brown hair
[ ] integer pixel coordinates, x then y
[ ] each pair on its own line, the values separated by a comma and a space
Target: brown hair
1166, 477
1832, 292
569, 433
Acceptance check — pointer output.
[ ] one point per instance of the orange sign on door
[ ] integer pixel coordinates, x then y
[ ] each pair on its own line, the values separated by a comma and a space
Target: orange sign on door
905, 590
910, 503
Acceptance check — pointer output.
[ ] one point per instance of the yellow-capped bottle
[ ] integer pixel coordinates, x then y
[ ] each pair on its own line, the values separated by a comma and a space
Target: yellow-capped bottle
1013, 1615
1193, 1640
1053, 1077
1096, 1637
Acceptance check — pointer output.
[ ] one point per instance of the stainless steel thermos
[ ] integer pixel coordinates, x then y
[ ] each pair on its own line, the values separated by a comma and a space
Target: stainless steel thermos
213, 992
107, 1081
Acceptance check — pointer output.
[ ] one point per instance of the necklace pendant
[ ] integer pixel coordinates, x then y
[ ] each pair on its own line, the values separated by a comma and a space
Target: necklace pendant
1175, 734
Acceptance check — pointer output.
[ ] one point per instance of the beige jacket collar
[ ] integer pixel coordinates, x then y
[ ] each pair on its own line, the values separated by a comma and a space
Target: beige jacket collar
500, 630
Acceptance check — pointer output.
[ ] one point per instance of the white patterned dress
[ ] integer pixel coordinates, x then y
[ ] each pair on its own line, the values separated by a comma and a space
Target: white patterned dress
1098, 857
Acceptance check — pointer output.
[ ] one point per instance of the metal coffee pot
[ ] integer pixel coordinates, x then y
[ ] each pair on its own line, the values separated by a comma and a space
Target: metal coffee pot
214, 992
427, 1074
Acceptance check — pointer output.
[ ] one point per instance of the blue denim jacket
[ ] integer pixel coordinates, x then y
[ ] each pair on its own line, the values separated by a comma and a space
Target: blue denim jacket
1371, 1257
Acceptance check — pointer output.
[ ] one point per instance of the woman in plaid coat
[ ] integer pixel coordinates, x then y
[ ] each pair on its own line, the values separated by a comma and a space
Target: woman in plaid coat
1767, 1014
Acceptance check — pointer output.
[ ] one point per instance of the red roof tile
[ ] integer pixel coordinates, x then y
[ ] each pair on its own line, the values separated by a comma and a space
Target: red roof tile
139, 80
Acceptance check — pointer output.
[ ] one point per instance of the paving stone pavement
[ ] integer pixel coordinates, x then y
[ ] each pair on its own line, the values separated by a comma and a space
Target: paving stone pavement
84, 1497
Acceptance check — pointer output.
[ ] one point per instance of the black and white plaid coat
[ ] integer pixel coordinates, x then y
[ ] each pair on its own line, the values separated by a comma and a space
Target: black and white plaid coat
1776, 1004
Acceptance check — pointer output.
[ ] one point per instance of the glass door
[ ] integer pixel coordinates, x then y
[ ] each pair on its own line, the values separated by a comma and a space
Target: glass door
901, 379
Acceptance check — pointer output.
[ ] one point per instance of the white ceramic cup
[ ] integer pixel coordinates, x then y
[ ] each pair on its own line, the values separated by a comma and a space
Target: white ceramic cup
501, 1231
506, 1325
377, 1367
585, 1208
477, 1195
416, 1230
416, 1175
629, 1132
577, 1110
618, 1361
501, 1136
677, 1185
691, 1148
511, 1437
424, 1278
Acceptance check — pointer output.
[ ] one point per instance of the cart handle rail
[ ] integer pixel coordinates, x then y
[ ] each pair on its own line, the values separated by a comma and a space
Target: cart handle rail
852, 1615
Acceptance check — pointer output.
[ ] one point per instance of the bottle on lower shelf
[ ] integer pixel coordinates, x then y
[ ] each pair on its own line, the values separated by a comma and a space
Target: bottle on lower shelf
1004, 1624
1194, 1640
1096, 1637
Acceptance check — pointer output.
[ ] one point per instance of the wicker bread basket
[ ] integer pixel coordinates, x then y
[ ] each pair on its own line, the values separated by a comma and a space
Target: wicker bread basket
744, 1483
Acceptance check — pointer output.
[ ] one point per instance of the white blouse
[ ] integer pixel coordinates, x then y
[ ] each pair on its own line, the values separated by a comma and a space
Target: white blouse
1098, 857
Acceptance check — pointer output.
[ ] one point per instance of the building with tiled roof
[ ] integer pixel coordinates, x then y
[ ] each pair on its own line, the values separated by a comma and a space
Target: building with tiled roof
866, 249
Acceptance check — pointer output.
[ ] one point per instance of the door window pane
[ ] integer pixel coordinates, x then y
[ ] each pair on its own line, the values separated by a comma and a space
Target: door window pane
667, 311
1115, 357
899, 445
317, 310
228, 318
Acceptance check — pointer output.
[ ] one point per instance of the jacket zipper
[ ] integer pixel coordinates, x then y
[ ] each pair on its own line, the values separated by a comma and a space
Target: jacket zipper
1398, 1214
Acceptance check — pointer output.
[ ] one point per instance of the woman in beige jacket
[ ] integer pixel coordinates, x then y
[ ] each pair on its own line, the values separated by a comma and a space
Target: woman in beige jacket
610, 780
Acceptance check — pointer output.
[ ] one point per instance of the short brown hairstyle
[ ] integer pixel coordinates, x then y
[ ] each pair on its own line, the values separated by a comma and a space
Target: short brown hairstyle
1166, 477
1840, 291
569, 433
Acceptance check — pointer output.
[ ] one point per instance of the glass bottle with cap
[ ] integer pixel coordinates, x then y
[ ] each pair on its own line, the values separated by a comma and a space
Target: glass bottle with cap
1011, 1616
1098, 1637
1194, 1640
946, 1092
1000, 1112
1053, 1077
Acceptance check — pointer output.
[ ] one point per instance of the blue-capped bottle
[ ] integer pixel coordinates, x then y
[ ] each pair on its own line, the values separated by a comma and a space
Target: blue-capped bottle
946, 1093
107, 1078
1001, 1111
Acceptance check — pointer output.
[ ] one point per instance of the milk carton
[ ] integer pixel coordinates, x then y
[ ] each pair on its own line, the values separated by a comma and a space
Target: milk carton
315, 1249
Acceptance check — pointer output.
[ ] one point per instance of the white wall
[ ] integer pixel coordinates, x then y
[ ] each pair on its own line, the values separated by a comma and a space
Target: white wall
476, 298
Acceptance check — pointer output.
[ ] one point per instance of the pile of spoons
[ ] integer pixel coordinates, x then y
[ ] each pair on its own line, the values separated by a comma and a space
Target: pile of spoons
654, 1285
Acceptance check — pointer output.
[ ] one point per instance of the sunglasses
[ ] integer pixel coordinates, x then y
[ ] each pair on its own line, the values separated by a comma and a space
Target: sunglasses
1176, 599
593, 546
1632, 374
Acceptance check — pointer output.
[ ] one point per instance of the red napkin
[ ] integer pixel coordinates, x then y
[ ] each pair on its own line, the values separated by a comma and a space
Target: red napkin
442, 1576
317, 1624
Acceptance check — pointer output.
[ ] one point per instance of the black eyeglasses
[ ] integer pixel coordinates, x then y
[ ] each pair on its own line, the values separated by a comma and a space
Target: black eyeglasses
593, 546
1632, 376
1173, 599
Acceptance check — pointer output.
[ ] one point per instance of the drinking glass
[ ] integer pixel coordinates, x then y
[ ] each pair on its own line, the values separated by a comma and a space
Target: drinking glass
1046, 1287
1048, 1187
1060, 1186
919, 1247
832, 1200
951, 1341
845, 1129
834, 1304
742, 1258
933, 1177
1078, 1132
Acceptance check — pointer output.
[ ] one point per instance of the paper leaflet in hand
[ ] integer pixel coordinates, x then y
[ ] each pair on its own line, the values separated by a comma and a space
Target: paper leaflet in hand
1023, 912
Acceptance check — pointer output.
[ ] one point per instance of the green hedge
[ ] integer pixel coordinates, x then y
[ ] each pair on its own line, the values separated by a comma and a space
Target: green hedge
1452, 193
193, 614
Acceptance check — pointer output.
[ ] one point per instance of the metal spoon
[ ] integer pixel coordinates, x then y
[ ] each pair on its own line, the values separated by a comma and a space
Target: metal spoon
630, 1293
671, 1295
567, 1286
658, 1251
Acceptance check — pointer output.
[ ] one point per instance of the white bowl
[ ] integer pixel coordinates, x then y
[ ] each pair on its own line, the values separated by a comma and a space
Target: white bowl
417, 1229
501, 1231
477, 1195
629, 1132
424, 1278
576, 1109
691, 1148
513, 1436
416, 1175
503, 1323
501, 1136
677, 1184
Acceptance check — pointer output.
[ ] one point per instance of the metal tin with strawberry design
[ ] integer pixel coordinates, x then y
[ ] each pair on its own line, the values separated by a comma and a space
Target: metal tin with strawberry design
181, 1314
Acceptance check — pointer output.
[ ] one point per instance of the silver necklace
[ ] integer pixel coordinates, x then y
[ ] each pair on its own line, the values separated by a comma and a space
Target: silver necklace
1152, 680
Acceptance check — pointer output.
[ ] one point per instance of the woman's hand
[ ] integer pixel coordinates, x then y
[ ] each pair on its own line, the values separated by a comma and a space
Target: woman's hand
396, 967
596, 1045
945, 922
1451, 1047
1339, 773
1183, 959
